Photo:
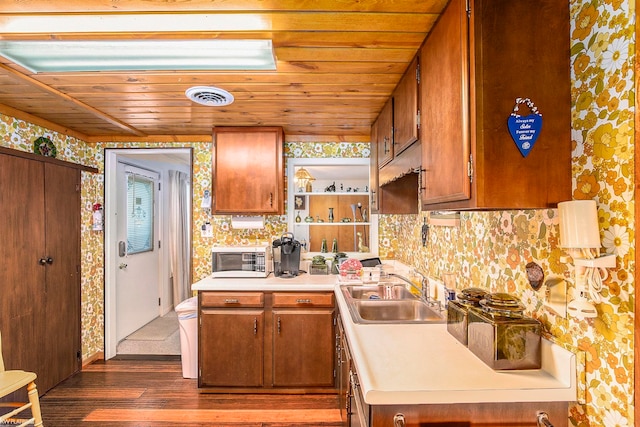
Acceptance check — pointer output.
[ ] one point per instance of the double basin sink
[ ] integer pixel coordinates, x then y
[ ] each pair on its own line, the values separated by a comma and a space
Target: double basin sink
390, 303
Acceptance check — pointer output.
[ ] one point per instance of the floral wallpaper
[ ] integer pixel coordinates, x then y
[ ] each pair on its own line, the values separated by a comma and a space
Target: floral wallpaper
489, 249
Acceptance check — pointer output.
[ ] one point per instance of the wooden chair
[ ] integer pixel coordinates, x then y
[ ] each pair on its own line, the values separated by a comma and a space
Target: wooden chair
14, 380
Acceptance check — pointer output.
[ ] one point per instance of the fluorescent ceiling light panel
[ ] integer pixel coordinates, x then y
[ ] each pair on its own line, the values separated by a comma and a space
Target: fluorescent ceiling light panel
41, 56
131, 22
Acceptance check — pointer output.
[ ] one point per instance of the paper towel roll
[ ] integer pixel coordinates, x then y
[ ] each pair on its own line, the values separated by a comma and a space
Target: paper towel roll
247, 222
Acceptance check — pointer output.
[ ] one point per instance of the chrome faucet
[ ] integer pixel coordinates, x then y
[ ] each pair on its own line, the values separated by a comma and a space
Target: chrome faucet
425, 293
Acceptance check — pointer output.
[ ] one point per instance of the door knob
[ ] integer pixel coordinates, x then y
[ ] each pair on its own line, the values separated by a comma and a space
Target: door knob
122, 266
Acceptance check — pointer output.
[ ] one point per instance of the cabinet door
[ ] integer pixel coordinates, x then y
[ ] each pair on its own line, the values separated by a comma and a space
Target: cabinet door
344, 367
40, 309
445, 128
22, 287
248, 174
61, 342
303, 348
231, 349
405, 110
384, 132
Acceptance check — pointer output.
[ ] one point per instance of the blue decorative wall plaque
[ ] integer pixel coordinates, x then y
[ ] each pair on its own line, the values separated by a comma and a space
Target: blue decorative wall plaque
525, 129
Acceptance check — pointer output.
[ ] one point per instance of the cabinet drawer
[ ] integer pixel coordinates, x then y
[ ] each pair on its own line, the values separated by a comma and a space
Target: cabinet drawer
300, 299
232, 299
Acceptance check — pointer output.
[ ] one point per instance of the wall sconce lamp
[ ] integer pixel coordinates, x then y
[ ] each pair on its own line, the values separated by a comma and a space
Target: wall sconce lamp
580, 236
304, 179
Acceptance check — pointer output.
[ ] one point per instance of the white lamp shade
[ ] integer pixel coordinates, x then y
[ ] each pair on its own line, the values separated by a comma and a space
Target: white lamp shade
579, 224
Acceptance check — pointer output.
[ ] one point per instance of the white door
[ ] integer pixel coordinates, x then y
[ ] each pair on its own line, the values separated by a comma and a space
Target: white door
137, 253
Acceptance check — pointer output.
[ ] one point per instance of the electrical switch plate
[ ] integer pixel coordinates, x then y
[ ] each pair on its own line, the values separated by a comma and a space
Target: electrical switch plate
206, 230
206, 200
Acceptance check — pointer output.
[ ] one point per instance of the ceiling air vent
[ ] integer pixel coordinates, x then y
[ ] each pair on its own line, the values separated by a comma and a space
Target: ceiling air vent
209, 95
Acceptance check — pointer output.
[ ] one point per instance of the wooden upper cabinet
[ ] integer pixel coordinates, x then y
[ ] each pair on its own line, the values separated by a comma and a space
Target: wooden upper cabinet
384, 133
248, 172
473, 68
406, 109
395, 137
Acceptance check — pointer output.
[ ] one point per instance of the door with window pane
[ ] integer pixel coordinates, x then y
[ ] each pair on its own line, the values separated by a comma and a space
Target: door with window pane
137, 288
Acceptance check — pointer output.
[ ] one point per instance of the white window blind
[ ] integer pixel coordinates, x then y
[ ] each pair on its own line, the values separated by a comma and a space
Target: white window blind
140, 202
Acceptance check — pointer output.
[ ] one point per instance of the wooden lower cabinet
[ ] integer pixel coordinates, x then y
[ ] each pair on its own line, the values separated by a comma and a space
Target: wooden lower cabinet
303, 353
267, 342
508, 414
233, 353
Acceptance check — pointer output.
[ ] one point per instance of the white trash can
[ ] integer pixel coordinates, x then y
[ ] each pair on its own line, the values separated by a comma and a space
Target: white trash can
187, 312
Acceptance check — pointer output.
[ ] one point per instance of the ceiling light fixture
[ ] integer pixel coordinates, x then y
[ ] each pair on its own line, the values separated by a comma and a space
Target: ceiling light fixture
41, 56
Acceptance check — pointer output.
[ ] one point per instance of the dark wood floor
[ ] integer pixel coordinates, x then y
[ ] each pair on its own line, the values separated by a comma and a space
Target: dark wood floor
125, 393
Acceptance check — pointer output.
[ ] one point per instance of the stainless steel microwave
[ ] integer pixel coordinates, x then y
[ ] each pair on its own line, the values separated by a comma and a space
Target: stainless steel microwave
241, 261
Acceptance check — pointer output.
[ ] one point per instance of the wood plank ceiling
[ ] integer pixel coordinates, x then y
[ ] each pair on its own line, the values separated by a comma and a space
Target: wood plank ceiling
337, 63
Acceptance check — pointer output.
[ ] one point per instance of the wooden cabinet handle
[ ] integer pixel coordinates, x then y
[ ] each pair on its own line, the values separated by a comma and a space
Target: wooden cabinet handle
421, 179
543, 419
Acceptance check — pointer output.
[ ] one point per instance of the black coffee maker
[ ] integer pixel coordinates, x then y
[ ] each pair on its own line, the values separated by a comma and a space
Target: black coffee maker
286, 256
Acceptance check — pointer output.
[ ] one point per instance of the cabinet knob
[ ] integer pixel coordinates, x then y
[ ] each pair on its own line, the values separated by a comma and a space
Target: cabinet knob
398, 420
44, 261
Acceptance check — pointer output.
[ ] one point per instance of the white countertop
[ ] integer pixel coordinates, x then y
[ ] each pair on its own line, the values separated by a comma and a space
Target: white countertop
422, 363
305, 281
